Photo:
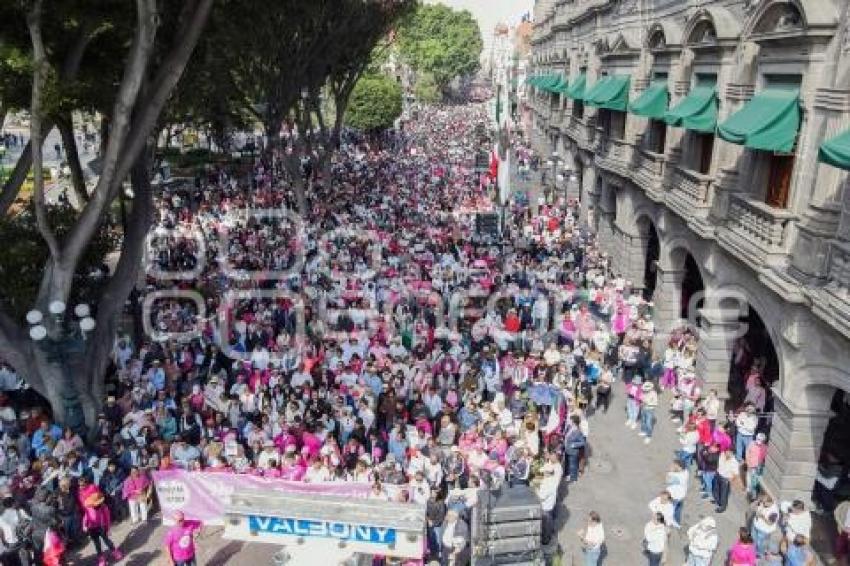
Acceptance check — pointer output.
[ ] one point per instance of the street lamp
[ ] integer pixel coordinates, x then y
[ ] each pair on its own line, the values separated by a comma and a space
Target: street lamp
553, 162
571, 178
64, 340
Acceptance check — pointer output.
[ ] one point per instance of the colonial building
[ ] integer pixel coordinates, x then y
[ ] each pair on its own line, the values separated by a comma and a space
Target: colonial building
706, 139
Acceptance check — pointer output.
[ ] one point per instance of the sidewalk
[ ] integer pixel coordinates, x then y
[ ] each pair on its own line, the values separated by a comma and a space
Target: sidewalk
623, 475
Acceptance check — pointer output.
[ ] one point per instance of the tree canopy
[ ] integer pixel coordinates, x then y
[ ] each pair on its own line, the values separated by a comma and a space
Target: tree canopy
442, 42
426, 89
375, 103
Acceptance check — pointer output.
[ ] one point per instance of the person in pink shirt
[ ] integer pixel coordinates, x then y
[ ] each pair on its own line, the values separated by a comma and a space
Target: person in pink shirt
743, 552
179, 541
722, 439
755, 457
97, 521
136, 490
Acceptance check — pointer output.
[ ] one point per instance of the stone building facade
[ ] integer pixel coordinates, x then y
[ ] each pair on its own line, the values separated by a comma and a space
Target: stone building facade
706, 187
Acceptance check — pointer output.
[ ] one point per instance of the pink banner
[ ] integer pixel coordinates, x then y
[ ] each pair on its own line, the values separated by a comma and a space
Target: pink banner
203, 495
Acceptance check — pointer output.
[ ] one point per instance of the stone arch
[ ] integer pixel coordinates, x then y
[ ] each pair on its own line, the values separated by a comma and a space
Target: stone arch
814, 386
668, 32
772, 16
728, 296
775, 15
650, 236
711, 25
674, 251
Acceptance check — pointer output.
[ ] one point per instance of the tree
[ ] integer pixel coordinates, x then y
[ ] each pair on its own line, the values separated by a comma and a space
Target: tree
442, 42
155, 46
375, 104
427, 90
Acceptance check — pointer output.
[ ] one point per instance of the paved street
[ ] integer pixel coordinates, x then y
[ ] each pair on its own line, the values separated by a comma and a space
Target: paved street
623, 475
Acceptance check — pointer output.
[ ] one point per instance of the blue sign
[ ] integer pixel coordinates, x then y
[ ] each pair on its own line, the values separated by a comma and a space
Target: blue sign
321, 529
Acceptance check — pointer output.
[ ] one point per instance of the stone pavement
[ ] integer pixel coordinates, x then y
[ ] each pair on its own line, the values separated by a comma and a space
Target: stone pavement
623, 475
142, 546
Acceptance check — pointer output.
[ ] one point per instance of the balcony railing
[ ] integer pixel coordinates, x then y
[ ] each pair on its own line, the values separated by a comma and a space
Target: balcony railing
577, 130
690, 193
756, 231
649, 171
832, 303
613, 154
839, 270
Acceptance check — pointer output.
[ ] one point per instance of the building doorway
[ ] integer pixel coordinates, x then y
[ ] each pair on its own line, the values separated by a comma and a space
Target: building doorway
650, 270
754, 367
834, 461
692, 287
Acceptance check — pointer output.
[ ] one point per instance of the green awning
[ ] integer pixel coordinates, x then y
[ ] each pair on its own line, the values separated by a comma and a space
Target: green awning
559, 86
576, 88
652, 103
768, 122
697, 111
611, 92
563, 86
551, 82
836, 151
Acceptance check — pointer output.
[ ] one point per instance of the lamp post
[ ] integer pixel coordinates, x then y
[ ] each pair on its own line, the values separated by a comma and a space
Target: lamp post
571, 178
64, 340
553, 162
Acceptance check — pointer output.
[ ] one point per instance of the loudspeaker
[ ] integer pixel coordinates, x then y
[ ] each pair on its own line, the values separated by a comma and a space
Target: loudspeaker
487, 223
508, 528
518, 503
513, 529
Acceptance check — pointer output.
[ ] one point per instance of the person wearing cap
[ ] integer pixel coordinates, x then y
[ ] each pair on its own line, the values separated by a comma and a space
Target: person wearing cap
745, 426
179, 541
702, 542
547, 491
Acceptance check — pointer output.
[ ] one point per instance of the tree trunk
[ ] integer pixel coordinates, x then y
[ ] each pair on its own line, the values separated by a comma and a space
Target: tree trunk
13, 184
65, 124
123, 281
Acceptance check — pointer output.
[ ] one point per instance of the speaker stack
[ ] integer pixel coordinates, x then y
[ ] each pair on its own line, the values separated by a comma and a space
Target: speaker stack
507, 527
487, 224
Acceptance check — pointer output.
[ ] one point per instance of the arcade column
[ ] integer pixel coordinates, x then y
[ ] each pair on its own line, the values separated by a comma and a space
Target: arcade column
796, 436
667, 305
717, 332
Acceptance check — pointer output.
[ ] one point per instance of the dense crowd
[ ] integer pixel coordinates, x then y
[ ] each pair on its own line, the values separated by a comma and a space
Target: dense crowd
384, 340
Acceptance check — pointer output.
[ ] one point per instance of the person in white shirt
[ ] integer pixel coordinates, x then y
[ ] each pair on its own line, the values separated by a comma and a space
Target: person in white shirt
269, 457
765, 522
10, 518
655, 539
663, 504
798, 520
745, 424
728, 468
677, 487
547, 491
317, 473
455, 539
592, 538
712, 406
702, 542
